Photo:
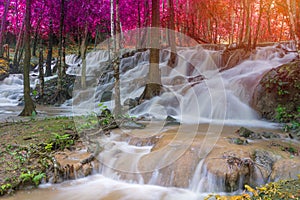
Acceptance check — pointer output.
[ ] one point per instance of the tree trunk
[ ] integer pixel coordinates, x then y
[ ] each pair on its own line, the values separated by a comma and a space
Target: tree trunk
172, 39
60, 61
112, 25
21, 52
64, 70
29, 107
117, 110
292, 16
3, 26
41, 73
35, 39
144, 39
248, 27
96, 38
138, 34
258, 24
83, 49
50, 47
153, 86
17, 49
118, 28
242, 23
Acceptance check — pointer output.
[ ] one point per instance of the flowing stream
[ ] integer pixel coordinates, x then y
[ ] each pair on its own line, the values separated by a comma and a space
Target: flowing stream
196, 92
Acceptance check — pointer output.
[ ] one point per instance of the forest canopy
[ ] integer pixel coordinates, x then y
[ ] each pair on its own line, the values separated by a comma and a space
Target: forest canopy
206, 21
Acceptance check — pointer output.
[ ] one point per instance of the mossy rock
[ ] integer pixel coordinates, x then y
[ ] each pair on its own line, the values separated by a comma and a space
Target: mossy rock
279, 87
4, 69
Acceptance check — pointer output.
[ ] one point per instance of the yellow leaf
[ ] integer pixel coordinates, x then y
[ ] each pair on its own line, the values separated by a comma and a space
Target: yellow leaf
262, 188
250, 189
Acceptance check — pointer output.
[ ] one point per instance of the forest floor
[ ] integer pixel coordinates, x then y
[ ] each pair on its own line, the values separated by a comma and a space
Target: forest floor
27, 149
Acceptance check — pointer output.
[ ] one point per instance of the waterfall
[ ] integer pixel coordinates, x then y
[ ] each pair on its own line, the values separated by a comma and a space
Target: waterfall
195, 89
196, 93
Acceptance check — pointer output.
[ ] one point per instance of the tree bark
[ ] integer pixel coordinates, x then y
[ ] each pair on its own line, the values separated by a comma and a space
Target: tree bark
138, 34
292, 16
153, 86
258, 24
50, 47
29, 107
83, 49
41, 73
112, 25
242, 23
116, 65
60, 52
3, 26
17, 49
172, 60
143, 42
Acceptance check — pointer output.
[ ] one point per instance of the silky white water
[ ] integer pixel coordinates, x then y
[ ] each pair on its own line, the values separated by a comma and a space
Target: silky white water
195, 90
195, 93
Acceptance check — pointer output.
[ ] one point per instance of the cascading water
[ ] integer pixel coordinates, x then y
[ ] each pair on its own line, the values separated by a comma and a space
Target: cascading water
195, 89
195, 92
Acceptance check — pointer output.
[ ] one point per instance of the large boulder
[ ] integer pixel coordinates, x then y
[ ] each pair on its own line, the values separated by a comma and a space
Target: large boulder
279, 87
50, 91
4, 69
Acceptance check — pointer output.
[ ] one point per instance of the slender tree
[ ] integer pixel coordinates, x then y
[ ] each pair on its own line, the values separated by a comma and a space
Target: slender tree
3, 27
29, 107
60, 47
50, 48
112, 24
83, 49
172, 39
116, 65
292, 17
41, 72
153, 86
258, 23
18, 48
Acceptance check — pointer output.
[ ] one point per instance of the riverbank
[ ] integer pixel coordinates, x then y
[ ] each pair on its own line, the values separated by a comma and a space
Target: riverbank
28, 150
31, 151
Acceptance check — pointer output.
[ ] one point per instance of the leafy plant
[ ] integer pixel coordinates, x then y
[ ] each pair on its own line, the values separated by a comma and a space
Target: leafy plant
38, 178
34, 177
282, 115
4, 188
60, 141
293, 118
49, 146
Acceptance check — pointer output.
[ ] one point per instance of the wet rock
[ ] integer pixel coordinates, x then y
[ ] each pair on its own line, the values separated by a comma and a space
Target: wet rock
4, 69
142, 141
234, 56
285, 169
230, 169
51, 96
244, 132
264, 161
238, 141
106, 96
74, 164
171, 121
269, 135
255, 136
130, 124
295, 134
131, 103
277, 87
